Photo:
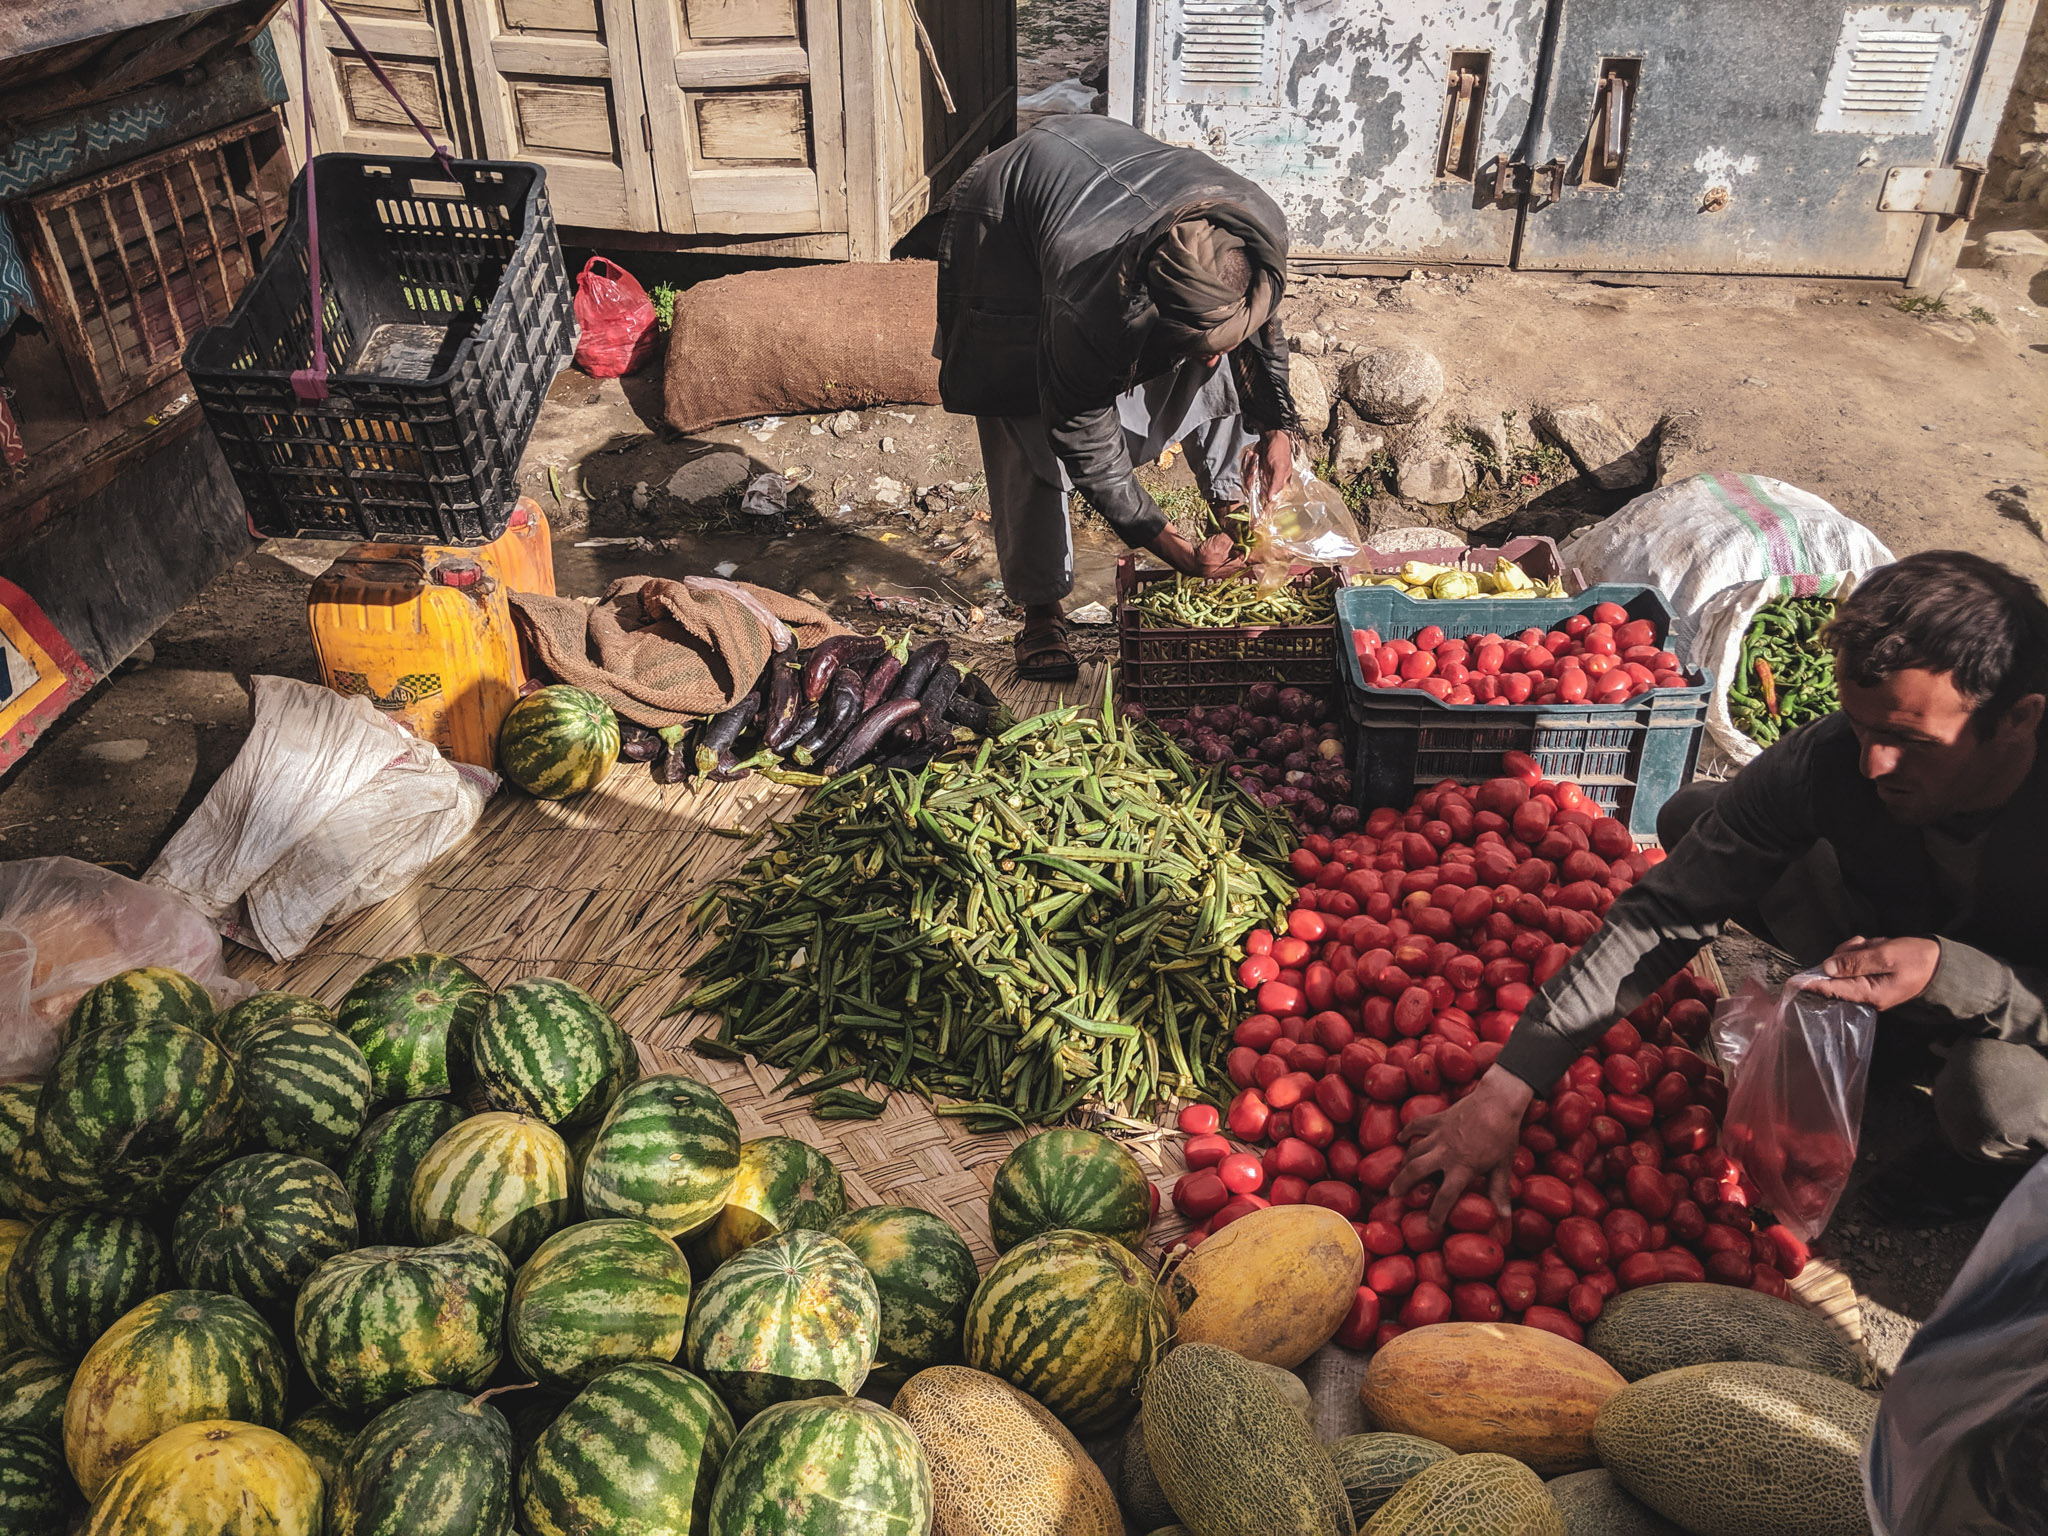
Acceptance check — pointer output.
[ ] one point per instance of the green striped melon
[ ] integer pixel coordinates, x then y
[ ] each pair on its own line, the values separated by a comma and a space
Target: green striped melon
234, 1028
378, 1323
558, 741
530, 1412
433, 1464
1068, 1181
503, 1177
827, 1466
258, 1226
635, 1453
145, 995
925, 1275
596, 1295
305, 1090
667, 1152
17, 1127
12, 1232
32, 1392
545, 1048
138, 1112
216, 1478
1375, 1467
178, 1358
414, 1019
76, 1274
1487, 1491
793, 1317
36, 1493
325, 1433
381, 1165
1657, 1328
1074, 1319
781, 1185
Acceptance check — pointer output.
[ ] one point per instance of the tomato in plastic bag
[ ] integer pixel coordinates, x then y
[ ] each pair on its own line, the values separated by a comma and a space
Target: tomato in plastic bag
614, 319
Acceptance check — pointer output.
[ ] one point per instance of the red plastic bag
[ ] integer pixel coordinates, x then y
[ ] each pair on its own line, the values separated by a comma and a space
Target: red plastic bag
615, 319
1798, 1061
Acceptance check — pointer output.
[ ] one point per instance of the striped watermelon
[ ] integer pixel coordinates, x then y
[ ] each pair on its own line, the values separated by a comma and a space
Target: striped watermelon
502, 1177
1074, 1319
11, 1234
925, 1277
145, 995
414, 1019
637, 1451
780, 1185
1069, 1181
305, 1090
558, 741
214, 1478
234, 1028
378, 1323
76, 1274
36, 1492
178, 1358
32, 1392
667, 1153
546, 1048
433, 1464
380, 1168
325, 1433
258, 1226
795, 1316
596, 1295
828, 1466
138, 1113
17, 1127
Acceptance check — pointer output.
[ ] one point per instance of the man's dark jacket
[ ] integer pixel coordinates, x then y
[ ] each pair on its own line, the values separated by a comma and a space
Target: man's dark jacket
1043, 309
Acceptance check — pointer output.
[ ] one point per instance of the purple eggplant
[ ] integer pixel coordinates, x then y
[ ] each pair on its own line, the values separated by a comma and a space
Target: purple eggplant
938, 693
918, 672
715, 751
829, 655
866, 737
836, 716
784, 696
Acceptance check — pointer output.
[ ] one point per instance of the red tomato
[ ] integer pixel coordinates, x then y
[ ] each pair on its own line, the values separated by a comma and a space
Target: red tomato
1549, 1197
1240, 1205
1391, 1276
1362, 1321
1205, 1150
1249, 1114
1426, 1304
1551, 1320
1418, 1234
1472, 1256
1241, 1173
1288, 1190
1376, 1170
1336, 1196
1474, 1301
1200, 1195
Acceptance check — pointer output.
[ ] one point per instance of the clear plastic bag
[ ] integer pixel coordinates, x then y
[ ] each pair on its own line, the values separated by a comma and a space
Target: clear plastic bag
614, 320
65, 926
1798, 1062
1961, 1443
1306, 524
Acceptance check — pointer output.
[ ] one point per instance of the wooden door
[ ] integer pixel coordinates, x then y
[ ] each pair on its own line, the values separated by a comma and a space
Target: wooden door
558, 83
352, 112
743, 106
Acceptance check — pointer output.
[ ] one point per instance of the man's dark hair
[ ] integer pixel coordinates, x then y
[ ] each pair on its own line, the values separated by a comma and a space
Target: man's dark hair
1949, 612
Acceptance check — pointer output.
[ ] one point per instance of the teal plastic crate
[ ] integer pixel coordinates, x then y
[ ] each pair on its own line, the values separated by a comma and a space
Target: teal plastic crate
1629, 758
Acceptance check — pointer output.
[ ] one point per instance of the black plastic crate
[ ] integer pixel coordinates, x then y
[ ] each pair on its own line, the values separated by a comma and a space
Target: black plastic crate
447, 312
1170, 670
1629, 758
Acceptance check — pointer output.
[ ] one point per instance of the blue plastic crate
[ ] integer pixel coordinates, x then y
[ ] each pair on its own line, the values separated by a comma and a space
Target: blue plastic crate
1629, 758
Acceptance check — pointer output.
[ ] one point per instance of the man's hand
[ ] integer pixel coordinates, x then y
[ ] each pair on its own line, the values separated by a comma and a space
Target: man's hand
1475, 1138
1215, 556
1881, 972
1275, 455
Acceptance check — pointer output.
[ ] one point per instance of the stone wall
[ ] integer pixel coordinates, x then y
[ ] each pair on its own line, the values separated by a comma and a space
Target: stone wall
2019, 155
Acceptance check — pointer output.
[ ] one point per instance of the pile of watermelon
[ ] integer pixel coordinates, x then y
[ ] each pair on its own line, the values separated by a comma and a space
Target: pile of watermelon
1413, 946
442, 1260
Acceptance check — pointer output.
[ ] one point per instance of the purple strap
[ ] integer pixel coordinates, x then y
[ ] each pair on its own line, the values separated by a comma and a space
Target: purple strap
311, 383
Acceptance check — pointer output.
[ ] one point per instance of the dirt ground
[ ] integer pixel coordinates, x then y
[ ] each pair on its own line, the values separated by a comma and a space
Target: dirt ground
1927, 426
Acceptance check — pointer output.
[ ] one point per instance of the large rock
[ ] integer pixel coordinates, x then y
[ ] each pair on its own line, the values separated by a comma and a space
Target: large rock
1681, 450
1608, 455
1311, 395
1430, 467
1353, 445
1394, 384
2017, 253
710, 476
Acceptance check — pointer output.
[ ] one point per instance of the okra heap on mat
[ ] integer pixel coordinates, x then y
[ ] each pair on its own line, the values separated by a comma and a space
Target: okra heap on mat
1051, 915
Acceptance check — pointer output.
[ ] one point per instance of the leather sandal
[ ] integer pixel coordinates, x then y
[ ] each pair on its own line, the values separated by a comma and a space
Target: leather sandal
1043, 655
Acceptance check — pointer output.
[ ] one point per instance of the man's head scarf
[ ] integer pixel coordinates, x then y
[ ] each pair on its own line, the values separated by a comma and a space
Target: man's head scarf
1201, 310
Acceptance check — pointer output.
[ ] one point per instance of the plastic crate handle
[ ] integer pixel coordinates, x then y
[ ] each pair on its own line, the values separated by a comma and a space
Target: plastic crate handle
311, 383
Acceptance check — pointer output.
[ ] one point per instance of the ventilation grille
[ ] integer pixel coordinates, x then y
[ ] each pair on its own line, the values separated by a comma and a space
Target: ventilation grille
1223, 44
1892, 72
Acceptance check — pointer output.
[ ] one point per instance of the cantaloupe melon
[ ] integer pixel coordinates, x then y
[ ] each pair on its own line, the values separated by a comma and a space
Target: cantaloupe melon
1231, 1453
1138, 1490
1482, 1495
1594, 1504
1664, 1327
1291, 1387
1742, 1449
1375, 1467
1001, 1464
1272, 1286
1497, 1387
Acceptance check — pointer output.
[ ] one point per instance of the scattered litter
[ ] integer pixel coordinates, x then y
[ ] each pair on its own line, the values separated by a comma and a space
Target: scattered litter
604, 543
903, 416
1063, 96
725, 568
764, 427
889, 493
1091, 613
766, 504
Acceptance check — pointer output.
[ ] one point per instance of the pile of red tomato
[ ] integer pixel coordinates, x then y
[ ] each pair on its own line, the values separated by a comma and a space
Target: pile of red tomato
1601, 657
1412, 947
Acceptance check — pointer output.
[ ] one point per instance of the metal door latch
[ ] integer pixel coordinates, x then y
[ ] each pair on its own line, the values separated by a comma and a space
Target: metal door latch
1519, 182
1949, 190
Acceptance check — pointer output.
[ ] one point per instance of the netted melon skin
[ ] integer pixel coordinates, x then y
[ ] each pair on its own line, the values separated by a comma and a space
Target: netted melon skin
1594, 1504
1667, 1327
1143, 1499
1001, 1464
1375, 1467
1479, 1495
1742, 1449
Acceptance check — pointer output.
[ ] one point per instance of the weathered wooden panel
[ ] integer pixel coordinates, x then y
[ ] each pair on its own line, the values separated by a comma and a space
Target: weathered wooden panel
576, 118
708, 19
552, 16
751, 128
393, 9
370, 105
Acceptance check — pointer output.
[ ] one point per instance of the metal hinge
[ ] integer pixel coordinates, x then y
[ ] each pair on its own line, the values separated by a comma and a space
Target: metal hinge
1949, 190
1518, 182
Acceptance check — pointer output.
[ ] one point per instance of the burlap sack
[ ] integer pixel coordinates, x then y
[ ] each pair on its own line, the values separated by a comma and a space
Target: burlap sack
800, 340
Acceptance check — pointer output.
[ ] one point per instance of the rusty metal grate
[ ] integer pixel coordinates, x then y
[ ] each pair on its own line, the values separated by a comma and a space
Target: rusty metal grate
130, 263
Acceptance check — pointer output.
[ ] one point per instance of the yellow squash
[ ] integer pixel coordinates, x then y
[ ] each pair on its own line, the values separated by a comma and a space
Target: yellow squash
1273, 1285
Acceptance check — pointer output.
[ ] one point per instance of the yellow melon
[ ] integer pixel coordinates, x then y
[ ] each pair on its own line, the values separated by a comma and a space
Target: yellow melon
1272, 1286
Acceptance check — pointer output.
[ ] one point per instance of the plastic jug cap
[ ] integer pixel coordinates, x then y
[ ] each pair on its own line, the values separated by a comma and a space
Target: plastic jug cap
459, 573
